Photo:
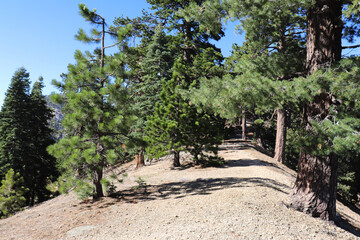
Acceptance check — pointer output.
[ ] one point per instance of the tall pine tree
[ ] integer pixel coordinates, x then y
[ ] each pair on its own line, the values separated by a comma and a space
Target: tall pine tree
176, 123
325, 120
24, 136
97, 114
14, 125
43, 168
155, 67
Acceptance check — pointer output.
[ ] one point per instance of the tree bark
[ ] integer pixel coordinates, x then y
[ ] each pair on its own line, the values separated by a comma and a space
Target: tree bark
176, 162
140, 158
243, 125
323, 43
280, 135
315, 187
98, 175
258, 138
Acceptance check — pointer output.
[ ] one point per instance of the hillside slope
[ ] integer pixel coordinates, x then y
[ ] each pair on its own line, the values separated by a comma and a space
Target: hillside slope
247, 199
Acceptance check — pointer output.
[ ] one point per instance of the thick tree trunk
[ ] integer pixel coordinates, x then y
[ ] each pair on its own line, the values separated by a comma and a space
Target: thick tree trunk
323, 43
280, 141
140, 161
243, 125
315, 187
176, 162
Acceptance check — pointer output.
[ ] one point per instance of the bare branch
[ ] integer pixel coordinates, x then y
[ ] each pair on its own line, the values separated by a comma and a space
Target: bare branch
346, 47
294, 33
112, 45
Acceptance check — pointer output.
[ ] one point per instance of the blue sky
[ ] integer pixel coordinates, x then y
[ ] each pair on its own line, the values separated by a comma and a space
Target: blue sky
39, 35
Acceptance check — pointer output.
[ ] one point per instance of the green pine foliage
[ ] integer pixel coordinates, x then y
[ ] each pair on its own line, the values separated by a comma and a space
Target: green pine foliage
156, 67
162, 130
12, 194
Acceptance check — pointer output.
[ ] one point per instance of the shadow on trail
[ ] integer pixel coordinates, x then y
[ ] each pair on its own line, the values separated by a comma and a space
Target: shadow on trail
249, 163
200, 186
255, 162
343, 222
237, 144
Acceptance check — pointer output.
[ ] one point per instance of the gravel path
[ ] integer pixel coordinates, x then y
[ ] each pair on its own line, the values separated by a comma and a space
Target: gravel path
248, 199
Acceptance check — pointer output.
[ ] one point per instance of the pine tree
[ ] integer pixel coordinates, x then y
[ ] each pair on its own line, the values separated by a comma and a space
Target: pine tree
315, 191
155, 67
143, 29
14, 125
12, 192
162, 130
25, 135
273, 49
43, 168
176, 123
315, 187
97, 115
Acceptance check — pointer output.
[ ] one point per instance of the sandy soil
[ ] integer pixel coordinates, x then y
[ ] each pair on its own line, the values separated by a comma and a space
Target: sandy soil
247, 199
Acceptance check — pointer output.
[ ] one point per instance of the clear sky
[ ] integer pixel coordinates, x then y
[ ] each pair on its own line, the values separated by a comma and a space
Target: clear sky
39, 35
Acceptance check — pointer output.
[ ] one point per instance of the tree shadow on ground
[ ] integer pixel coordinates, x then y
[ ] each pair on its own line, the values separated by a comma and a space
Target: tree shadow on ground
197, 187
343, 221
237, 144
255, 162
249, 163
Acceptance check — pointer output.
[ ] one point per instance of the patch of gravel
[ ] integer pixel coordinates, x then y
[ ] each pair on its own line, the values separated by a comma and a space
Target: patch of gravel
78, 231
247, 199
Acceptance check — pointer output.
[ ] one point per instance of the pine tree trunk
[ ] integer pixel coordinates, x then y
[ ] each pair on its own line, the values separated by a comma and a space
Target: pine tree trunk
176, 162
243, 125
315, 187
140, 161
258, 138
98, 174
280, 141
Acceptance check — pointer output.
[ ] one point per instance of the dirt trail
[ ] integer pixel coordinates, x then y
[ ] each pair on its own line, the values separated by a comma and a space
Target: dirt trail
247, 199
